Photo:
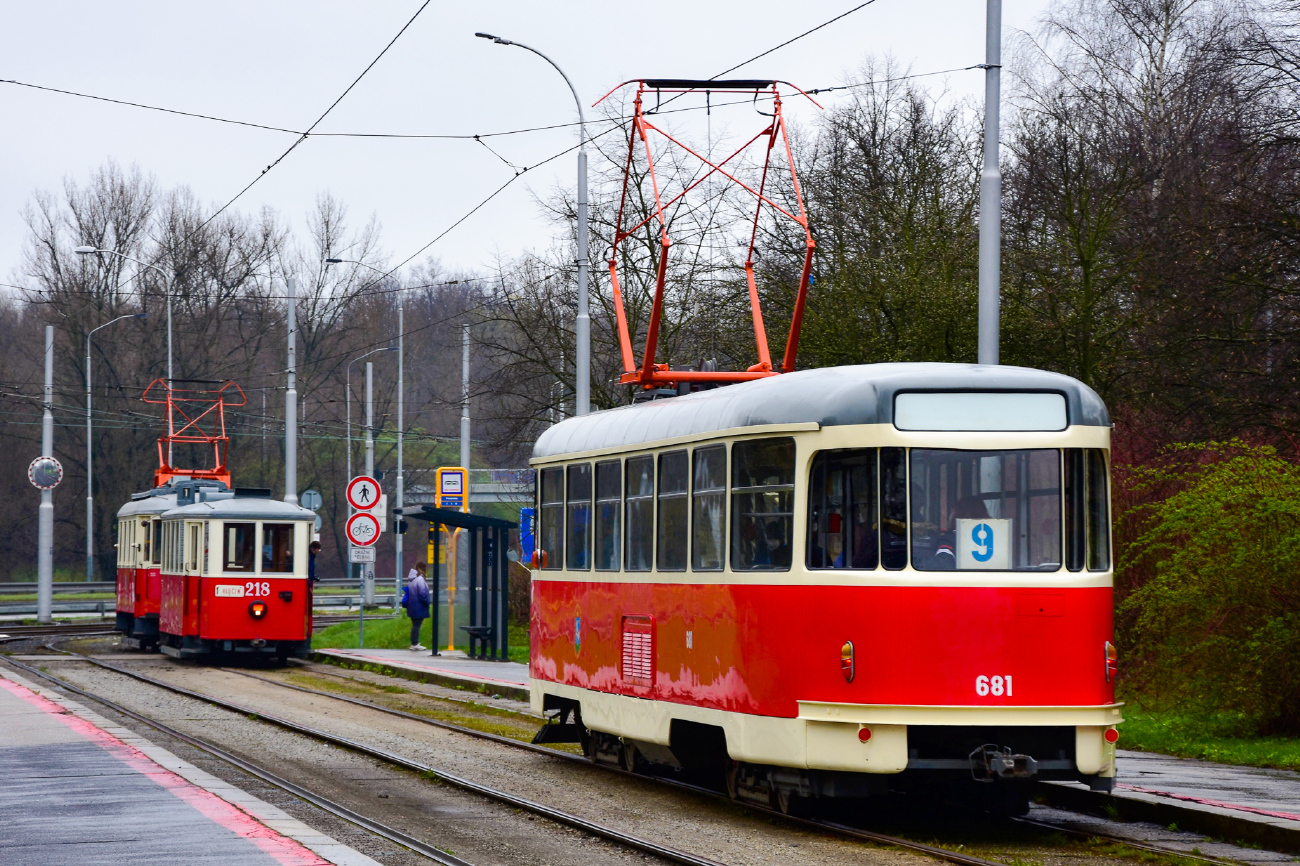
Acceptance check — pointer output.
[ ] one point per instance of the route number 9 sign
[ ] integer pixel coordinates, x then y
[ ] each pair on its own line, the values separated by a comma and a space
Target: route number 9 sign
363, 529
983, 543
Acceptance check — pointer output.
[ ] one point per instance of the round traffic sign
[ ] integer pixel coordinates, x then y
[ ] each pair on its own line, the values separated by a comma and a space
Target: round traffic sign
310, 499
363, 493
363, 529
45, 473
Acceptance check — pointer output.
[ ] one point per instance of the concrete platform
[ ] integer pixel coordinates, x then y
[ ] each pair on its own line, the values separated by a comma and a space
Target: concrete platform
448, 668
77, 789
1223, 800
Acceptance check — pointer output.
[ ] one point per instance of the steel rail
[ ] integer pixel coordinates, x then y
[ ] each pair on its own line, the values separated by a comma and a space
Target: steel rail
560, 817
265, 775
22, 632
839, 829
808, 823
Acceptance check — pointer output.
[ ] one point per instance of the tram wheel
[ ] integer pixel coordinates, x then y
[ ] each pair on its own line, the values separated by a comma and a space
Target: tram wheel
627, 758
733, 781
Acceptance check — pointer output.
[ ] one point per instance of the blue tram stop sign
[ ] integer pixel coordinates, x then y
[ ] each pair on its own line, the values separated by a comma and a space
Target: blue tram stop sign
310, 499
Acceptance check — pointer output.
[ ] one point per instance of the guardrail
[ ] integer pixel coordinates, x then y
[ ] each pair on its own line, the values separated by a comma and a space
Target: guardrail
60, 587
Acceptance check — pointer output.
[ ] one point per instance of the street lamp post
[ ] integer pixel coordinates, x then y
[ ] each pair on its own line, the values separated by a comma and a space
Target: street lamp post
90, 475
582, 325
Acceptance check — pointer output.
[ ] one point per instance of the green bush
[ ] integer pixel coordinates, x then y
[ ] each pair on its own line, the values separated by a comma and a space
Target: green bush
1211, 584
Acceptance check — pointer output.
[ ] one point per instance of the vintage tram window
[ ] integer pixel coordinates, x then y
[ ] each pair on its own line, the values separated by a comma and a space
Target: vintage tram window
194, 547
157, 541
986, 510
842, 520
709, 508
674, 478
145, 546
551, 518
893, 508
640, 509
609, 502
1098, 511
762, 504
277, 548
240, 538
1076, 542
579, 516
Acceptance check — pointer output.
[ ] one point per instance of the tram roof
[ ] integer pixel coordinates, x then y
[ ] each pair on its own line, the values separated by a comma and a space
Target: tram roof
242, 508
156, 504
829, 396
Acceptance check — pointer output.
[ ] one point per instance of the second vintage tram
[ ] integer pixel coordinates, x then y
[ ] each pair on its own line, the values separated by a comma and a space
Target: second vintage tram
834, 583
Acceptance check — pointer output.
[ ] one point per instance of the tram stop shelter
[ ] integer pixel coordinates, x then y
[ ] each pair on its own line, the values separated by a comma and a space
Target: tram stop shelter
488, 572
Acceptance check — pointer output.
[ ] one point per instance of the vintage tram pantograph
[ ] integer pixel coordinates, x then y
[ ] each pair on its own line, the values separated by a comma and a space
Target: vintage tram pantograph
205, 569
832, 582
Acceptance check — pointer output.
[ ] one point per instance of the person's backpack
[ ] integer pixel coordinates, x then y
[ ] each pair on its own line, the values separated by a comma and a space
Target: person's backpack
406, 594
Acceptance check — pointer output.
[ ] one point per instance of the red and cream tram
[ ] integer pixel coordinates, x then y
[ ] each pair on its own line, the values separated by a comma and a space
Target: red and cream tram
139, 566
234, 576
835, 582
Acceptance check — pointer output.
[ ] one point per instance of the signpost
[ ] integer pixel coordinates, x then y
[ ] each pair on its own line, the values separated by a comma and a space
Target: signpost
363, 530
311, 499
452, 486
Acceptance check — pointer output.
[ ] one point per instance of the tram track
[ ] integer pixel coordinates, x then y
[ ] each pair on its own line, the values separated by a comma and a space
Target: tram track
848, 832
822, 826
644, 846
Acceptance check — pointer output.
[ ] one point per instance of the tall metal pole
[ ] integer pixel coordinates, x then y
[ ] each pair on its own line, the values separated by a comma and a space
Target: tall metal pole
582, 325
401, 421
990, 264
45, 516
369, 590
291, 402
464, 402
90, 455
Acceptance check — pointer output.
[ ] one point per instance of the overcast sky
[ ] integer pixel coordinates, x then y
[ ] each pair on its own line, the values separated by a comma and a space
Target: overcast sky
282, 62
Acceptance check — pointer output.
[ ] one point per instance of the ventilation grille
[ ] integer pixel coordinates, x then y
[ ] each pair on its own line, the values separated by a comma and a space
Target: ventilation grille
638, 650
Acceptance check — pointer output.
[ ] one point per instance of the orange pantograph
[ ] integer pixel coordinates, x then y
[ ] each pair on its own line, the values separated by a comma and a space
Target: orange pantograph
195, 416
650, 374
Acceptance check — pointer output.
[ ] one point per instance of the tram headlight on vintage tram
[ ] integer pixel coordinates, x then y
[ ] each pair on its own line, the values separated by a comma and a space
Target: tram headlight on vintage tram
1112, 662
257, 609
846, 661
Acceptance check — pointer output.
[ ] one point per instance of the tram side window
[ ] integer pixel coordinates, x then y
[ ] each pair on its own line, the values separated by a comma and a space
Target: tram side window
674, 477
893, 508
240, 538
762, 504
277, 548
157, 542
579, 516
640, 475
709, 508
551, 518
1098, 511
609, 501
145, 544
842, 520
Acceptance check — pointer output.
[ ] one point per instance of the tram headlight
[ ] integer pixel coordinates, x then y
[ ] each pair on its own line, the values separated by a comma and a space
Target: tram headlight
257, 609
1112, 661
846, 661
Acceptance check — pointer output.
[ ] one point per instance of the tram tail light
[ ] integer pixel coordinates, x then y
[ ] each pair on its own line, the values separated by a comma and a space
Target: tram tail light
257, 609
864, 734
1112, 662
1111, 736
846, 661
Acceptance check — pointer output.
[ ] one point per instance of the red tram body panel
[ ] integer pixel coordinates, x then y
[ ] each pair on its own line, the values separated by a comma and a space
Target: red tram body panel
834, 582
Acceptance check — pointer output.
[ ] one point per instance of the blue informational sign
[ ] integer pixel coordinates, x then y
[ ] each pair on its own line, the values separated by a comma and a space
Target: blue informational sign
527, 540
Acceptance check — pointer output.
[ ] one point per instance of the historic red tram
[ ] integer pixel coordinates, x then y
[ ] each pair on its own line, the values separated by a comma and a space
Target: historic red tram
139, 581
835, 582
234, 577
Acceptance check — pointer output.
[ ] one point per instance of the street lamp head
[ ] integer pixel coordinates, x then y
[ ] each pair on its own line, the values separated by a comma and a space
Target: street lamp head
141, 316
333, 261
83, 251
497, 39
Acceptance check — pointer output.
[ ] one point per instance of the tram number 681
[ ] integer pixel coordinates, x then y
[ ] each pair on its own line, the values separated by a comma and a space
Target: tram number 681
996, 686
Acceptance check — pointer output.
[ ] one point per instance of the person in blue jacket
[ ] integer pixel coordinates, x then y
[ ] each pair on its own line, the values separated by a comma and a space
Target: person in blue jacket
417, 603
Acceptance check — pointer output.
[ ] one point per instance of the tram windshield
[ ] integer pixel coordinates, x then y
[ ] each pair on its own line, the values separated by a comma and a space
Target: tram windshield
986, 510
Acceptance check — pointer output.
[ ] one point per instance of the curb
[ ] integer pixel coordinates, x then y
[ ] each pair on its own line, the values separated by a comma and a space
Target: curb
421, 675
1230, 825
